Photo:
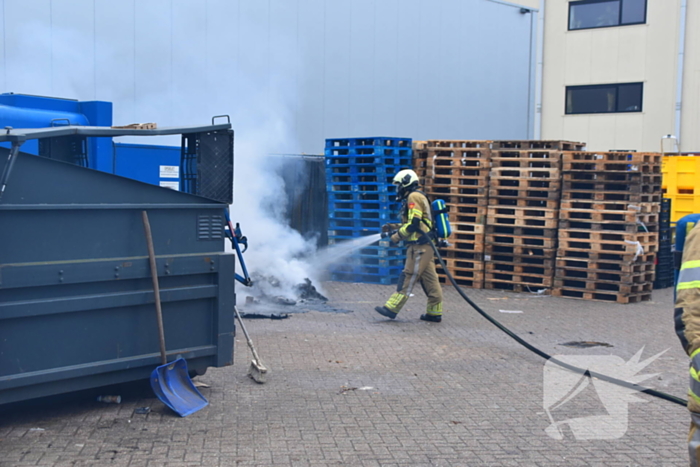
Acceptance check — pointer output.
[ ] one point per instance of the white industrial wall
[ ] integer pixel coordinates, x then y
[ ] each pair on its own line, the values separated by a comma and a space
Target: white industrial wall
317, 68
645, 53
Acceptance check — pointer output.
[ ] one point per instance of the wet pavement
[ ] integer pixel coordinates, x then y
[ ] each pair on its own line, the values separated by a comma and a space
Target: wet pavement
359, 389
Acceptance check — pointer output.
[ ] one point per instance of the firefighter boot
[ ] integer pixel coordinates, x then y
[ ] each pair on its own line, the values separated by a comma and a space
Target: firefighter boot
433, 313
431, 318
384, 311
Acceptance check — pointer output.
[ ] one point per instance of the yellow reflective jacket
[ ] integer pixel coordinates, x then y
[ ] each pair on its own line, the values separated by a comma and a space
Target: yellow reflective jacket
687, 312
416, 207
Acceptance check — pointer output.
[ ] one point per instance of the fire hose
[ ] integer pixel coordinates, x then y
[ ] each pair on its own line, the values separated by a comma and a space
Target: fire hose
531, 348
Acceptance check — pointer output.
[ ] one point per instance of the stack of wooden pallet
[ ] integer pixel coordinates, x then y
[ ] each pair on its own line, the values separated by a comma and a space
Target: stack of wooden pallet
523, 210
457, 172
608, 228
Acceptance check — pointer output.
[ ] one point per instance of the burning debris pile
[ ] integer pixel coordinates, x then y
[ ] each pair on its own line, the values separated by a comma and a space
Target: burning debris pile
267, 299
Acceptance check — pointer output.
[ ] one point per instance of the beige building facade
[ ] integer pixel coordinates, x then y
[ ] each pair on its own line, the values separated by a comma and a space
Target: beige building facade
620, 74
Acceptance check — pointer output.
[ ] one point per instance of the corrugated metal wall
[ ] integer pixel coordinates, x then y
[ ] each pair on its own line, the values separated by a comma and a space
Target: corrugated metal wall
325, 68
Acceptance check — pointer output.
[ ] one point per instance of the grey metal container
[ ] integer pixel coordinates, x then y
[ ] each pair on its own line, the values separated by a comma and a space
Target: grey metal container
76, 298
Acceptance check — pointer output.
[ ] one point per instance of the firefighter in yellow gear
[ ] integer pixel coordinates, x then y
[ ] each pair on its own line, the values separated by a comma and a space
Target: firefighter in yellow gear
687, 322
420, 258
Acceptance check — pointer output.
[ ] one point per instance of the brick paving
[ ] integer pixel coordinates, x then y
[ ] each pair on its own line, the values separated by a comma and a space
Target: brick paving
358, 389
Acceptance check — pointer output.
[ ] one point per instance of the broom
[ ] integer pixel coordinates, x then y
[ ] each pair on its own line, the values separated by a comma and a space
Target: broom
257, 370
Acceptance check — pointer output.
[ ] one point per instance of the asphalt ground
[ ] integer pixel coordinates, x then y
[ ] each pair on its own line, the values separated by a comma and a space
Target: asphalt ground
359, 389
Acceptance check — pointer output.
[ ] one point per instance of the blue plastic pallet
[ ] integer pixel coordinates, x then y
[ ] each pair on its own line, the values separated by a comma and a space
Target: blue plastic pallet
378, 261
369, 151
384, 252
369, 141
390, 208
374, 163
356, 224
369, 214
361, 188
389, 161
355, 196
359, 179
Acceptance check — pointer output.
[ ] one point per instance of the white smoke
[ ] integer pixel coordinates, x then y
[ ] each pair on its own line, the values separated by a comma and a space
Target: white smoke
184, 85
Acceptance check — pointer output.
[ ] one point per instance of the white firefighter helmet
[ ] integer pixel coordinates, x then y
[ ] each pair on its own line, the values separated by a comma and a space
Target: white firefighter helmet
406, 181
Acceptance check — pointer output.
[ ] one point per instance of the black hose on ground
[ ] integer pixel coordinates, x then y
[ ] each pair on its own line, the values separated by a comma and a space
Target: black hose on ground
531, 348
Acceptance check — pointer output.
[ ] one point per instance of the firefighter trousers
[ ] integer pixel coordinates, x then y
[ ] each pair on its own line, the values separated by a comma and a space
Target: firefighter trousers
419, 268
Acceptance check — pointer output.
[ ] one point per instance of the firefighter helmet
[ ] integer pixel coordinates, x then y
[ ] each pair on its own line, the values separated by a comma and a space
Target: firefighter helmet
406, 181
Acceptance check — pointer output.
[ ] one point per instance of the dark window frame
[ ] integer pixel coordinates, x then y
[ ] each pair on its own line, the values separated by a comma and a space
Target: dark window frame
620, 23
605, 86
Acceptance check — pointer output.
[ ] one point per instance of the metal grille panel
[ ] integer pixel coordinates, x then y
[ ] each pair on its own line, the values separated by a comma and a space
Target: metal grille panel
207, 165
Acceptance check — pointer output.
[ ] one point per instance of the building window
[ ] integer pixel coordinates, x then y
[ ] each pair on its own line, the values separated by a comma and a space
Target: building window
604, 98
587, 14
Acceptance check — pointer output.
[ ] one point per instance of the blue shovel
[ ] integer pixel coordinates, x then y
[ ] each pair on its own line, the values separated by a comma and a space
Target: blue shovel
170, 381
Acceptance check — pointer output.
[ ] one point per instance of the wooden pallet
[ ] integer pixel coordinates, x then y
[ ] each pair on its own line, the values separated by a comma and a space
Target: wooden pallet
459, 227
605, 247
464, 264
477, 282
455, 167
528, 193
591, 205
501, 280
461, 215
492, 249
525, 173
449, 143
625, 178
463, 274
524, 163
531, 203
518, 269
467, 245
553, 155
514, 183
522, 217
457, 181
603, 286
653, 158
532, 242
536, 144
519, 260
601, 265
607, 236
450, 252
598, 193
613, 277
455, 201
468, 196
610, 226
521, 231
602, 296
604, 256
